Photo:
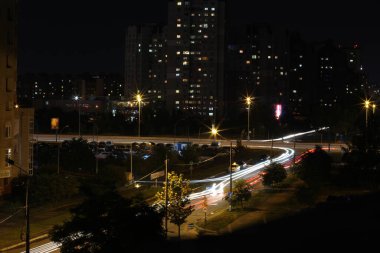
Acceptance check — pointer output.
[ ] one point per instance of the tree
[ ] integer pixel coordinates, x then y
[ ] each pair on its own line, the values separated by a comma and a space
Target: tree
76, 155
274, 173
241, 151
189, 154
179, 207
315, 167
109, 223
241, 192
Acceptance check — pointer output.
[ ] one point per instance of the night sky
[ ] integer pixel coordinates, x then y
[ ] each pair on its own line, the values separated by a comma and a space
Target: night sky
75, 36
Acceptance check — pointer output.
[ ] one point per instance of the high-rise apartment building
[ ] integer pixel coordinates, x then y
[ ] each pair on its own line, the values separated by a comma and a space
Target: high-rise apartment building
16, 124
145, 62
195, 71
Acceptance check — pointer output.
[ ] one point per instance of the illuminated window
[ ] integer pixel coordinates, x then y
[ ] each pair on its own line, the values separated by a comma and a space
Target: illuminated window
248, 62
8, 155
185, 63
178, 25
8, 130
177, 91
241, 51
179, 3
178, 36
177, 102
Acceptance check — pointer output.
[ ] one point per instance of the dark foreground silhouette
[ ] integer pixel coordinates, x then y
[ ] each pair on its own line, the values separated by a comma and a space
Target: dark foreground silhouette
341, 224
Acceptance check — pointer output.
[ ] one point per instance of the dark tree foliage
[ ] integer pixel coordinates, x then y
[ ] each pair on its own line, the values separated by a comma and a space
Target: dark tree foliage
190, 154
76, 155
274, 173
241, 192
240, 151
315, 168
109, 223
45, 188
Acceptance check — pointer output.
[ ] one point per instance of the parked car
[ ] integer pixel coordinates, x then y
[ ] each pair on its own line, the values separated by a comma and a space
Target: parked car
103, 155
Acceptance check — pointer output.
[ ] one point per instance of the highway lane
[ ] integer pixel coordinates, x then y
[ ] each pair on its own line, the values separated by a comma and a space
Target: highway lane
282, 142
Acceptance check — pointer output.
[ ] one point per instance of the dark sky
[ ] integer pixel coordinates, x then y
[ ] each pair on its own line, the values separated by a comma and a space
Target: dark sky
74, 36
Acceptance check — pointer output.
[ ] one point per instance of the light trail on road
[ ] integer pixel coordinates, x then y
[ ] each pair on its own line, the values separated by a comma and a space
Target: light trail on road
218, 188
46, 248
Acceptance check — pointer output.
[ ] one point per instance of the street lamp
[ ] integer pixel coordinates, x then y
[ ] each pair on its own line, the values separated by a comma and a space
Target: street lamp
77, 98
59, 147
366, 105
214, 131
139, 100
27, 234
248, 102
373, 108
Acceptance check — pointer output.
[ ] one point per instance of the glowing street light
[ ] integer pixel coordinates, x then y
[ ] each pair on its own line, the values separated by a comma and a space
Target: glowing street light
366, 106
77, 98
139, 99
248, 102
214, 131
373, 108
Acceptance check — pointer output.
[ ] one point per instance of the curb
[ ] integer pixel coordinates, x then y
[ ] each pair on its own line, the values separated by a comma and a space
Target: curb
205, 230
41, 237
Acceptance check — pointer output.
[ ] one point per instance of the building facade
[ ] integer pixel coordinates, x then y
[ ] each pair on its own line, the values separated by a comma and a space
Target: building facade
195, 70
16, 124
145, 62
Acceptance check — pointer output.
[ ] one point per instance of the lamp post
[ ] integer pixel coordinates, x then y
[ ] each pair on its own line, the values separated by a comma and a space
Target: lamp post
214, 131
230, 193
248, 102
166, 196
77, 98
131, 157
27, 233
59, 148
139, 100
373, 108
366, 105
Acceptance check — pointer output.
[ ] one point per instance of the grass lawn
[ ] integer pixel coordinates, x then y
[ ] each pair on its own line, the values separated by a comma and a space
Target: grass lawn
42, 219
265, 202
222, 220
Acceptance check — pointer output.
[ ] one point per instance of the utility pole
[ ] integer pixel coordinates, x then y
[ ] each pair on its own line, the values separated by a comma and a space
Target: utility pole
230, 193
271, 149
294, 148
131, 161
166, 196
27, 214
191, 169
